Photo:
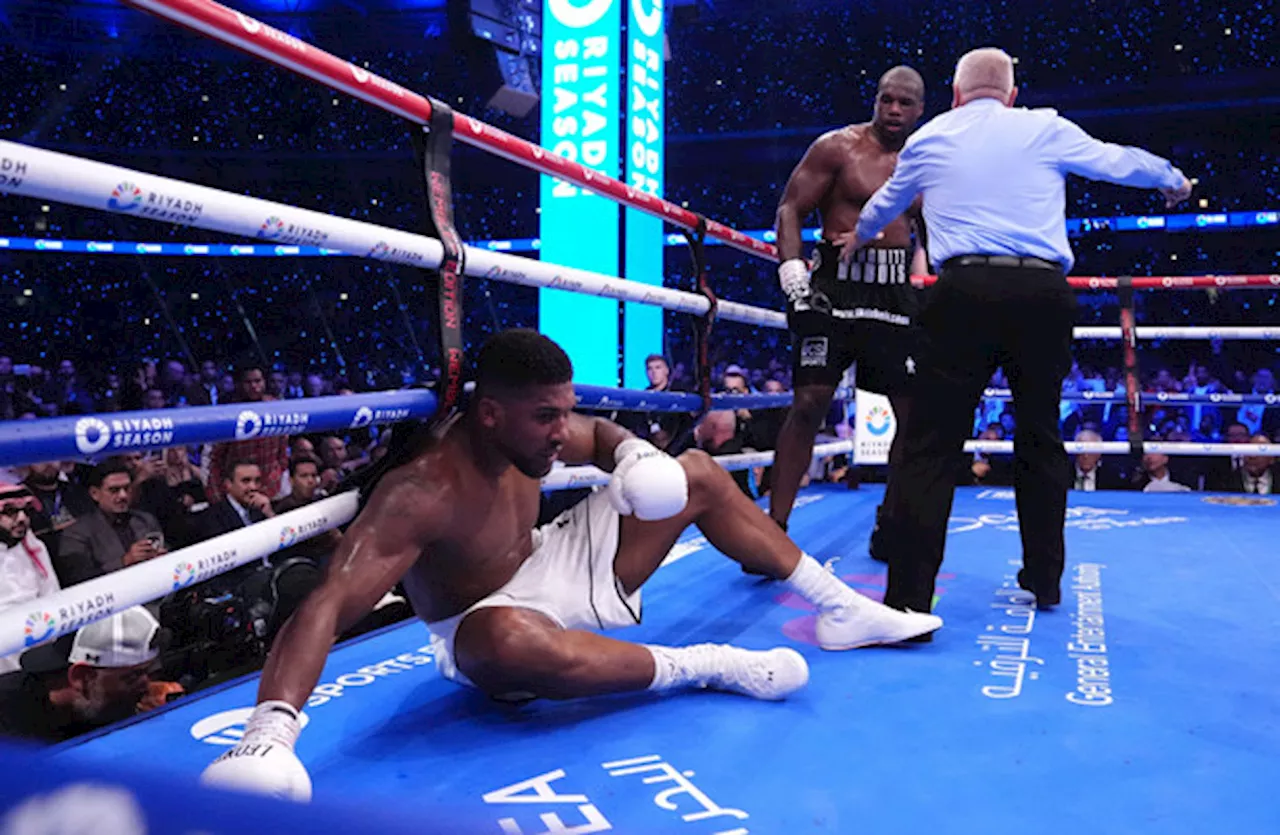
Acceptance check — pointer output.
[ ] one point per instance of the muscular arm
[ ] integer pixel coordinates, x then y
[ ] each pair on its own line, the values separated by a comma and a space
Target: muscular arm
402, 517
592, 441
809, 183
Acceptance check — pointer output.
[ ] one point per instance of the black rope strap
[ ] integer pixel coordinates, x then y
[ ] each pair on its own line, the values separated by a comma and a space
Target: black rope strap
432, 144
697, 240
1132, 382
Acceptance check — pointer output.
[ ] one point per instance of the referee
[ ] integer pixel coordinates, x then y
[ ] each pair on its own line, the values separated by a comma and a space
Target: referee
993, 183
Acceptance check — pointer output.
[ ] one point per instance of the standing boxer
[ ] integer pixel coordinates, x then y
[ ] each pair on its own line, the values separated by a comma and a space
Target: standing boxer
861, 312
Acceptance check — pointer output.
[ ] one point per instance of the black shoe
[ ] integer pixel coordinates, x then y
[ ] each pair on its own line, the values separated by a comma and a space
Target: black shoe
1045, 600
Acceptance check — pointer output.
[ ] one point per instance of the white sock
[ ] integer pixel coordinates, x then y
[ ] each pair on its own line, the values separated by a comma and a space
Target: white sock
682, 666
822, 588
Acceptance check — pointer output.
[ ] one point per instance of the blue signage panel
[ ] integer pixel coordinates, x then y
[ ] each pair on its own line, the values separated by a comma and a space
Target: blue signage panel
642, 324
581, 65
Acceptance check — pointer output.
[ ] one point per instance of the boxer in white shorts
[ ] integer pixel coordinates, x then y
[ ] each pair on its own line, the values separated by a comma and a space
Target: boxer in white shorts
516, 611
568, 578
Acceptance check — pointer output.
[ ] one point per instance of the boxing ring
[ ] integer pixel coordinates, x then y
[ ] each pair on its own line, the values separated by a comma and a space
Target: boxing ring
1144, 703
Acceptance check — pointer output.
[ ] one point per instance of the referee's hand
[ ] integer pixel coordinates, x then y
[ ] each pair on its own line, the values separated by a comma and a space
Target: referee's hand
1174, 196
852, 243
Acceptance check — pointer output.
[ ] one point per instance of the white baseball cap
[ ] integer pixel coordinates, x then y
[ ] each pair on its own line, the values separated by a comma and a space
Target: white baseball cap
126, 639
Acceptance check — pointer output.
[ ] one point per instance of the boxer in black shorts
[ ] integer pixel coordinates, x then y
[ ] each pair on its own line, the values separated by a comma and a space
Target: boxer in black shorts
862, 314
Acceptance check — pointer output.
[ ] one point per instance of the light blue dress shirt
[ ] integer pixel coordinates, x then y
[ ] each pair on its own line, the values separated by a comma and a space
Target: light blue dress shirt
994, 181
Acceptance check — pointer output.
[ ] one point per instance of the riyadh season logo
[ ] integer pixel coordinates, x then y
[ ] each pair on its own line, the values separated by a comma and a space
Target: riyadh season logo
878, 421
271, 228
288, 536
364, 417
183, 575
579, 15
39, 627
125, 197
92, 435
379, 249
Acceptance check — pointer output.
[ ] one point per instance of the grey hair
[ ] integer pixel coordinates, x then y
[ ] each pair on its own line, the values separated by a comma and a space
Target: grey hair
986, 70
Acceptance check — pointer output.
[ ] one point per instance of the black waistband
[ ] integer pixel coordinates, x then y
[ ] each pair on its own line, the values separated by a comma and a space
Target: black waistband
1023, 261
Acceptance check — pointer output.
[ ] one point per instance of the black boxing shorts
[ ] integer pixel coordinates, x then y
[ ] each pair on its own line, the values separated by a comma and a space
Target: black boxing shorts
861, 313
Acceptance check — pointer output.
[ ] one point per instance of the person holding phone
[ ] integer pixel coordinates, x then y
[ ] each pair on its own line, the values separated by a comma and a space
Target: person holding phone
112, 537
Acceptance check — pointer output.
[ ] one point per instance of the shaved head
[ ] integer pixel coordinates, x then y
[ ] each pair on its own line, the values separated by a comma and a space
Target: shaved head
904, 76
899, 106
984, 73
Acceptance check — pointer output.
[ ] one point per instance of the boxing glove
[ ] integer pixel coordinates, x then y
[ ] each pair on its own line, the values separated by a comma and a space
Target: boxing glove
647, 482
793, 278
263, 761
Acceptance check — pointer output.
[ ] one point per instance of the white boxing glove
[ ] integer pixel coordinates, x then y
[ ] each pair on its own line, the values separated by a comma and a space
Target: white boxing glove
793, 277
263, 761
647, 482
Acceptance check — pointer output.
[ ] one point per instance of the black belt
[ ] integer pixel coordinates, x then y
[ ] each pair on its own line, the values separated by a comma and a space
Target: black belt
1002, 261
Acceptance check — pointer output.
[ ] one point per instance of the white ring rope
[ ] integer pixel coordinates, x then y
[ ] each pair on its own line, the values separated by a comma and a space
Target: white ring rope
1123, 448
35, 172
1179, 332
45, 618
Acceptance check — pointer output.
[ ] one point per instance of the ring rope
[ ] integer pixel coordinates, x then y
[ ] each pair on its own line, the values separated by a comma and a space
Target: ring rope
95, 185
46, 618
288, 52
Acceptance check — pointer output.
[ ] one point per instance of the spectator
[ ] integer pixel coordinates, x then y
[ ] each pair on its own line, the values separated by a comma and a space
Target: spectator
59, 501
67, 392
90, 678
270, 453
1154, 477
983, 469
304, 475
205, 392
717, 434
1257, 418
26, 571
333, 462
111, 537
173, 383
1091, 473
1257, 473
184, 478
244, 502
662, 429
313, 386
1222, 474
150, 493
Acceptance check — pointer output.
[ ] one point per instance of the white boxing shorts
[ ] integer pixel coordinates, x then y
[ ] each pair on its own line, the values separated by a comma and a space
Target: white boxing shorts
569, 578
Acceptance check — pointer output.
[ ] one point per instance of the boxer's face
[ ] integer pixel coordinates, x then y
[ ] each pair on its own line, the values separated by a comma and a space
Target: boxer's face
530, 425
898, 108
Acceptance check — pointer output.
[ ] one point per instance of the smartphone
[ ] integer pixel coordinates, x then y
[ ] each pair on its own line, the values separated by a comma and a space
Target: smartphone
156, 538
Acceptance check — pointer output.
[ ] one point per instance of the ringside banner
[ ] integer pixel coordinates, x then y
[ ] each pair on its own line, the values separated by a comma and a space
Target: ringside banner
645, 115
581, 64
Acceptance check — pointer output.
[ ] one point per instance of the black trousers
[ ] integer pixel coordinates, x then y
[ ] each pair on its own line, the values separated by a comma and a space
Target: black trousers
979, 317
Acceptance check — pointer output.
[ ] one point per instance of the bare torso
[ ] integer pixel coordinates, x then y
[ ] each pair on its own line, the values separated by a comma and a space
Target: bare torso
864, 166
490, 530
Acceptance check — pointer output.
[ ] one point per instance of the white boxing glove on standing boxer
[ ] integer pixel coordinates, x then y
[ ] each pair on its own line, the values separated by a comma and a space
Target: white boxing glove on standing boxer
647, 482
263, 761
